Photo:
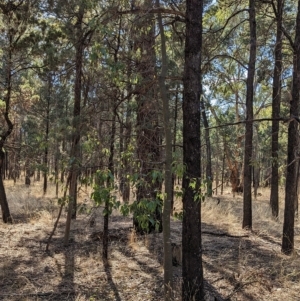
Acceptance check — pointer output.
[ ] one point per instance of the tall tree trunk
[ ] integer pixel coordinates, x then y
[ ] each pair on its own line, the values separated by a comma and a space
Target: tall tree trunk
6, 217
174, 146
247, 200
56, 168
217, 166
256, 163
296, 203
291, 173
148, 130
38, 173
208, 170
120, 168
75, 148
276, 96
3, 172
124, 181
45, 159
109, 183
223, 172
111, 167
126, 160
192, 269
167, 206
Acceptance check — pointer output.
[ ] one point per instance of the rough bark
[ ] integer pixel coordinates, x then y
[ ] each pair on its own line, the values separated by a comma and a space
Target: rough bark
208, 169
167, 206
148, 130
296, 202
247, 199
8, 86
111, 167
192, 269
276, 96
291, 173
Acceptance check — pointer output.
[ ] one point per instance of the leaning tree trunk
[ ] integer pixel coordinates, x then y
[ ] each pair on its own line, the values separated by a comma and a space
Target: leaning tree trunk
247, 200
276, 96
192, 269
291, 173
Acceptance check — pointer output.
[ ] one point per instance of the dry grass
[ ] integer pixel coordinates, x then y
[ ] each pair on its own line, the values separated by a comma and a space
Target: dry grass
237, 264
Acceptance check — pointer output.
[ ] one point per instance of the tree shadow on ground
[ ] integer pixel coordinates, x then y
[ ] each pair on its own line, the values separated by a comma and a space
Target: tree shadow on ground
236, 267
29, 273
111, 281
245, 265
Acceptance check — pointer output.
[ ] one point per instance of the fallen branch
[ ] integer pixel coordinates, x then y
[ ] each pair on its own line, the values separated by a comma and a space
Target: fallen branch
223, 234
39, 294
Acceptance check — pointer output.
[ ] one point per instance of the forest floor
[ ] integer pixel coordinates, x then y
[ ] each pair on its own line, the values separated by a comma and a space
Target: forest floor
238, 264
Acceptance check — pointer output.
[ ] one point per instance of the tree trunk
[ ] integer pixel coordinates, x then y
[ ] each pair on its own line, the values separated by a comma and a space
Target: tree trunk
174, 146
247, 200
8, 85
168, 166
45, 159
4, 164
56, 169
208, 172
217, 166
6, 217
75, 148
192, 269
276, 96
126, 160
223, 171
256, 165
291, 174
124, 181
296, 203
148, 130
109, 183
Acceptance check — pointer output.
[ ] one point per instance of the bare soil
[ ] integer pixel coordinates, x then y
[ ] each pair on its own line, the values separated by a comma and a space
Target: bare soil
238, 264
